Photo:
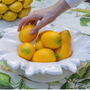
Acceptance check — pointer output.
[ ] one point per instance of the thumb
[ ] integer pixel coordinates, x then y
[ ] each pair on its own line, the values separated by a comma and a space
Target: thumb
41, 24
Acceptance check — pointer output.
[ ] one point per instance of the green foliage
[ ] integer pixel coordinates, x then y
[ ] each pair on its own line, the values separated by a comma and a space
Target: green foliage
5, 78
22, 85
88, 64
6, 81
85, 34
5, 66
81, 87
86, 15
66, 86
25, 87
74, 76
84, 72
86, 81
84, 21
5, 86
33, 6
0, 35
54, 83
81, 78
81, 10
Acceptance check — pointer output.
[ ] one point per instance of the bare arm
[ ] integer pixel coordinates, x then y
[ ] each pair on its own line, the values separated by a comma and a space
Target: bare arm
47, 15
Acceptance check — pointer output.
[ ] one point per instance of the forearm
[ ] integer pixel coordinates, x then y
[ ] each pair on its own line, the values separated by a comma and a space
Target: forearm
63, 5
47, 15
60, 7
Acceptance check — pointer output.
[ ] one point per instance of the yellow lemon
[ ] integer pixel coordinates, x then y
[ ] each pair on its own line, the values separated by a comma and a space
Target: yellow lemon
27, 3
40, 35
16, 7
64, 51
44, 56
8, 1
26, 51
20, 0
39, 45
23, 13
10, 16
66, 37
51, 39
3, 8
29, 9
25, 36
0, 16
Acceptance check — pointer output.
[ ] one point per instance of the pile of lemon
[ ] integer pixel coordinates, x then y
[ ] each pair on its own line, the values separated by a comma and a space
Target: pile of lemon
12, 9
50, 46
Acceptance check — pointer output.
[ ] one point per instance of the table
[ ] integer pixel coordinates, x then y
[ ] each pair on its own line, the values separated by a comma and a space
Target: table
68, 19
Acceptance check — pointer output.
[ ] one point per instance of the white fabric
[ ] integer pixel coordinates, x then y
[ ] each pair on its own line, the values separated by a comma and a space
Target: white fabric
73, 3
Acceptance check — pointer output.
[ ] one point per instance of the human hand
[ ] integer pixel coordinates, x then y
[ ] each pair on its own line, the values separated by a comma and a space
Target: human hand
45, 16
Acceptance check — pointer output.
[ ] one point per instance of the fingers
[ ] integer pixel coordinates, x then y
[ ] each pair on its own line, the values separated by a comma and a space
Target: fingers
25, 24
33, 22
41, 24
26, 20
23, 21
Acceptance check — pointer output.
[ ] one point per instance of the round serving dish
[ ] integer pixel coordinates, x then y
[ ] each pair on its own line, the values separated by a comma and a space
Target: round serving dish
45, 72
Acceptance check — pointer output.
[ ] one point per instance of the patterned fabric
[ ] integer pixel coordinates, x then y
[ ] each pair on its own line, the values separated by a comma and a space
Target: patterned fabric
78, 18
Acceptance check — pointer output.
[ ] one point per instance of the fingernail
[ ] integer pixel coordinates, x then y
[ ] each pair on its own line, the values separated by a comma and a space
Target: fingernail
32, 32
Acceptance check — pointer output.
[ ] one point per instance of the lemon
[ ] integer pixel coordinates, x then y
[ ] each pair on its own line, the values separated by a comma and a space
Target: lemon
27, 3
44, 55
16, 7
8, 1
11, 9
3, 8
10, 16
20, 0
0, 16
23, 13
29, 9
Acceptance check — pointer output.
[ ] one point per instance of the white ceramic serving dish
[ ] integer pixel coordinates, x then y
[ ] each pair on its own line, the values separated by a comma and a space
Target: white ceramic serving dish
44, 72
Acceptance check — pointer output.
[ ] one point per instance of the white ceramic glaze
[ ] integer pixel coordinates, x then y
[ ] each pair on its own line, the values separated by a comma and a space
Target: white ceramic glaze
10, 43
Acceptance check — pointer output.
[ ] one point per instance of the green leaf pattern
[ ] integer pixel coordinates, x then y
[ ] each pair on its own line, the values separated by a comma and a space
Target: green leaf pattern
83, 20
66, 86
79, 80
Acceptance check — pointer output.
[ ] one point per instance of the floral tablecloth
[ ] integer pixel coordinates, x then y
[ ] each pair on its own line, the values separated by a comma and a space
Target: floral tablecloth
76, 18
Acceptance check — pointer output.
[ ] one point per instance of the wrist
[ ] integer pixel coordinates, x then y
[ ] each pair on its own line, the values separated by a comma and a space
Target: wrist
60, 7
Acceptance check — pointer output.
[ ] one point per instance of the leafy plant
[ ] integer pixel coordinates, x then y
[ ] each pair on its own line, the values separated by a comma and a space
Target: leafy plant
84, 72
4, 66
66, 86
54, 83
74, 76
84, 21
22, 85
86, 15
85, 34
6, 81
81, 10
86, 81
